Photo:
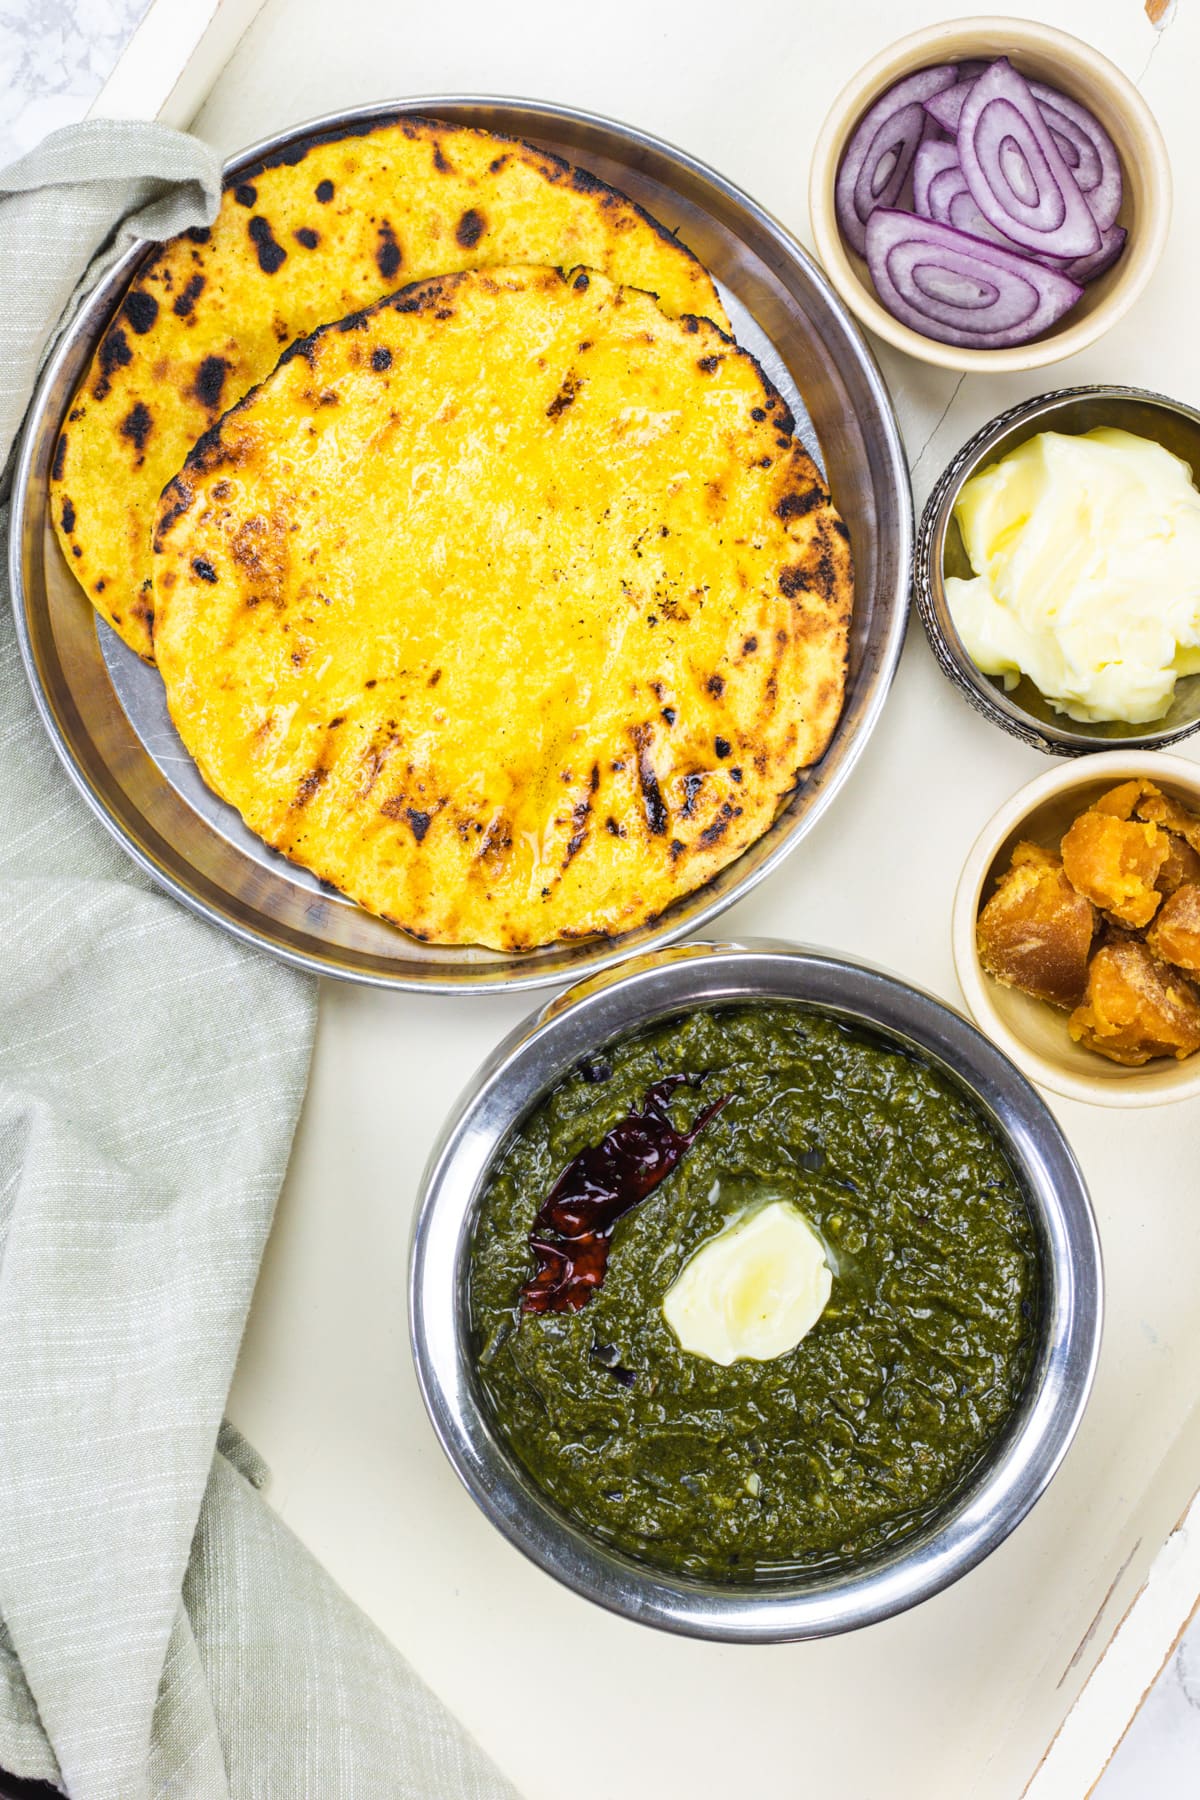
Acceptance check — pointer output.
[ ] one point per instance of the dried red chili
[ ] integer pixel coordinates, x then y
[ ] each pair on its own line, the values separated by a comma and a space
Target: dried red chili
571, 1235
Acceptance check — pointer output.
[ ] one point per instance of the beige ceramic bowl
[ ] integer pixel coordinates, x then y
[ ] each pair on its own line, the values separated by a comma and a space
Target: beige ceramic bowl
1032, 1033
1079, 71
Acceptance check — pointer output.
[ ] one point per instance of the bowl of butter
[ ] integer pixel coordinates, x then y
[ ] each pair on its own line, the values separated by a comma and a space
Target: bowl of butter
1057, 570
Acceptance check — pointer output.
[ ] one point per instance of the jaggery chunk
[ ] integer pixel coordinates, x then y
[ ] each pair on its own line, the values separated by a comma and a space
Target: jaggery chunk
1156, 808
1120, 801
1136, 1007
1159, 809
1133, 860
1182, 865
1175, 933
1116, 863
1035, 932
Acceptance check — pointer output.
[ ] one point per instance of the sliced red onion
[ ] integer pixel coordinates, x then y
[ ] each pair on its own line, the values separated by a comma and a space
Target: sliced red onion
945, 107
932, 161
954, 205
958, 289
950, 202
938, 180
1067, 149
1016, 172
971, 192
1086, 268
1076, 150
1082, 141
964, 215
878, 157
1098, 169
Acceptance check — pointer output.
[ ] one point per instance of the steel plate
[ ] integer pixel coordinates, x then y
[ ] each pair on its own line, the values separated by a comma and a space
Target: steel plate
105, 711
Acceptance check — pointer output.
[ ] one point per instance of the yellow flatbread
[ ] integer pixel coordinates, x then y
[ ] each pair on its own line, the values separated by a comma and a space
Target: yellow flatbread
510, 607
294, 246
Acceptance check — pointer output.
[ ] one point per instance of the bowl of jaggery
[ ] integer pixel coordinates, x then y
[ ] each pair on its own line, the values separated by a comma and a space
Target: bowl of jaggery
1076, 929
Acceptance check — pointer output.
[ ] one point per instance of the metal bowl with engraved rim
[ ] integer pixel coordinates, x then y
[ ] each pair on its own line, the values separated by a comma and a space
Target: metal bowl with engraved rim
940, 553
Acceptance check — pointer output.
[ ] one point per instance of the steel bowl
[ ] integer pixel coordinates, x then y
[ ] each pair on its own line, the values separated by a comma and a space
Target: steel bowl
105, 712
1019, 1464
940, 552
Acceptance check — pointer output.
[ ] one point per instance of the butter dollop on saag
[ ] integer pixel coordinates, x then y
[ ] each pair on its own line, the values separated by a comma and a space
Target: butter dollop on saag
756, 1289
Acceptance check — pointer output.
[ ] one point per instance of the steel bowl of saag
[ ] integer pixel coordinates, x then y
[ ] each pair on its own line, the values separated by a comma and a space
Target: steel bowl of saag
754, 1294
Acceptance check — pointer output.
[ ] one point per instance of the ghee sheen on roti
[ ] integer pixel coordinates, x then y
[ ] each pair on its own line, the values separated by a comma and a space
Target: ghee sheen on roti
509, 606
332, 227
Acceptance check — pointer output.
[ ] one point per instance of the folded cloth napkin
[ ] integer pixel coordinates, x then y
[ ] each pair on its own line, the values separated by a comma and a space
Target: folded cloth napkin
163, 1633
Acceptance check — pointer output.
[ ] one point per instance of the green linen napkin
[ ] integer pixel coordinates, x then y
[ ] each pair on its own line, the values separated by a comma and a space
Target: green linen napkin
163, 1633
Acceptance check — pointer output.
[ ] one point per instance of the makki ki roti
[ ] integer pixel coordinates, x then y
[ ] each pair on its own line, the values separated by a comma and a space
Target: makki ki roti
332, 227
509, 606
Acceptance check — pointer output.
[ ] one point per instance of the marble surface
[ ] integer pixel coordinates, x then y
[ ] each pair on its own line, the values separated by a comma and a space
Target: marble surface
1160, 1756
54, 57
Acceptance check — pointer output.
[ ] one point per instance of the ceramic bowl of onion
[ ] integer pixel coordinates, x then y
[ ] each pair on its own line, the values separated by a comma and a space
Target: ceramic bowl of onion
990, 194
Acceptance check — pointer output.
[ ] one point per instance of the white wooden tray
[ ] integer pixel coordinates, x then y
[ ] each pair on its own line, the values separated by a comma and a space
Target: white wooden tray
1022, 1678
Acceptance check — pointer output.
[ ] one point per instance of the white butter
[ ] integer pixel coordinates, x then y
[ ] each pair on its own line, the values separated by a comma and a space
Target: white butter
755, 1290
1086, 553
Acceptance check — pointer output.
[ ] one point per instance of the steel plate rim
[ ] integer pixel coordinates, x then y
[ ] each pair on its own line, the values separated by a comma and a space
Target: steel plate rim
887, 651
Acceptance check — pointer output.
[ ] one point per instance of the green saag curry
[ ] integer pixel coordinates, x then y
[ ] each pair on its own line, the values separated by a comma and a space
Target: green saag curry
862, 1431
